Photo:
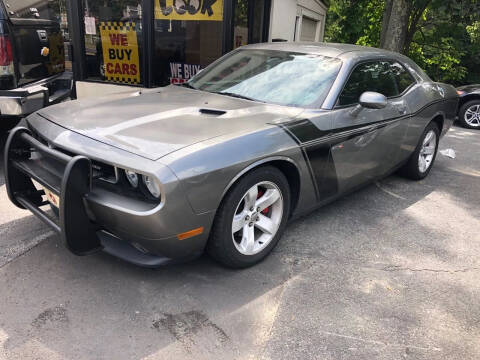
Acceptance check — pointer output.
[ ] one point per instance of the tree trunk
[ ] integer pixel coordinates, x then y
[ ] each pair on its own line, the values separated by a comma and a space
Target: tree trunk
395, 25
386, 19
413, 26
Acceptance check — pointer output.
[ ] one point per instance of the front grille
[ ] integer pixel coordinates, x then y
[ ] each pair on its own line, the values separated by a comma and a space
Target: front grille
105, 172
102, 171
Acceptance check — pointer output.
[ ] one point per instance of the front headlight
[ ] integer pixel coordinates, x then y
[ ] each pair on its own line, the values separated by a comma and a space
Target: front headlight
152, 186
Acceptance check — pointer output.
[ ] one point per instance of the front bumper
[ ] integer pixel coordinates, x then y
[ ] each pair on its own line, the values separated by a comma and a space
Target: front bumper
88, 220
26, 100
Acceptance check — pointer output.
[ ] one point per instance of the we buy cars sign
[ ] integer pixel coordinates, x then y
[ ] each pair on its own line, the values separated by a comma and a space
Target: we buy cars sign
120, 52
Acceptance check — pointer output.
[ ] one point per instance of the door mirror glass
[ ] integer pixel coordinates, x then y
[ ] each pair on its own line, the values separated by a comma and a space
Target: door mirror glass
372, 100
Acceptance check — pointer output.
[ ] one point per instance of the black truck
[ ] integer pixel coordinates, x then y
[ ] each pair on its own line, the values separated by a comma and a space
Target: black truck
32, 57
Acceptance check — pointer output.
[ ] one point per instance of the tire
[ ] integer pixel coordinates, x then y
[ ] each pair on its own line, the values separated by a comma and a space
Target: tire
8, 123
413, 169
227, 247
470, 119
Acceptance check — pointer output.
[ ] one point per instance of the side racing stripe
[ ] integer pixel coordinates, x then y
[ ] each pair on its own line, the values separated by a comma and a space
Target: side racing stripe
316, 146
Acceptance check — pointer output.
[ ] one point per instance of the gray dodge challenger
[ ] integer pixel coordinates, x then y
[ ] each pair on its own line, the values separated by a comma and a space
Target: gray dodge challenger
266, 133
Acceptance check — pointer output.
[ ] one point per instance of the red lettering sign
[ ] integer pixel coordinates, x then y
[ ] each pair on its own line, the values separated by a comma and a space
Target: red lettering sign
118, 39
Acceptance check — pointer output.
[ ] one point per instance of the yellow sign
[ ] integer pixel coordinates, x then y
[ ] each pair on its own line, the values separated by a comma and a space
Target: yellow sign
56, 53
120, 52
189, 10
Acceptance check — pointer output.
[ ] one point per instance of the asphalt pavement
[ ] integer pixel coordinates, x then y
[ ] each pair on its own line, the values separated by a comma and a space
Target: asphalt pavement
390, 272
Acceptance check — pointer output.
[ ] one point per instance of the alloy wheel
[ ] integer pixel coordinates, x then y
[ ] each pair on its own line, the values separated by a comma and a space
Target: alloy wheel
427, 152
472, 115
257, 218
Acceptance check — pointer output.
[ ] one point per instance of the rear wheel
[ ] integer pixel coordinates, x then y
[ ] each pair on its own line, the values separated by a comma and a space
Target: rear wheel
469, 114
251, 218
421, 161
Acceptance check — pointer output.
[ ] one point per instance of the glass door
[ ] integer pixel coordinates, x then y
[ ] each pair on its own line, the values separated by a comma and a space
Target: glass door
113, 41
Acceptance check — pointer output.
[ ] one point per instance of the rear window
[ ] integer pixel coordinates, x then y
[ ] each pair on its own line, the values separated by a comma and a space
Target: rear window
35, 9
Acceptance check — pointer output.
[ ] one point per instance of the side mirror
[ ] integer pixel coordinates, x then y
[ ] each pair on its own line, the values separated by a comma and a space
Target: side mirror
372, 100
369, 100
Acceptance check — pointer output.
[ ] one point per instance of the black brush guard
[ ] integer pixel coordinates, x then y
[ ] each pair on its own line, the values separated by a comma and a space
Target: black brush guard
70, 179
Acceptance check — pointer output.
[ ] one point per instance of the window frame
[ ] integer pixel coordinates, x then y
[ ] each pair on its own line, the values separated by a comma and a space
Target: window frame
228, 26
380, 59
414, 80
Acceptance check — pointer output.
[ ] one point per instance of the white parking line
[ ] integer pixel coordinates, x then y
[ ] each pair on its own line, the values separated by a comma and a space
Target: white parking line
12, 252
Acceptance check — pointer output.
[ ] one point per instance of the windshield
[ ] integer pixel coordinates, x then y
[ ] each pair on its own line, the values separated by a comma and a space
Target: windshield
35, 9
279, 77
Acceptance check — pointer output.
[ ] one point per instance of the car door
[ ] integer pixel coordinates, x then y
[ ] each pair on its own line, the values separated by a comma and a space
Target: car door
367, 141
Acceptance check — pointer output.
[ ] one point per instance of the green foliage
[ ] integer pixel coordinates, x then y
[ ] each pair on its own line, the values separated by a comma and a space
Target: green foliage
354, 22
440, 59
241, 13
445, 40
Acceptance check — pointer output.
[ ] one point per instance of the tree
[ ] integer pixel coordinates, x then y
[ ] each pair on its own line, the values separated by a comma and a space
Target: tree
354, 22
443, 37
395, 25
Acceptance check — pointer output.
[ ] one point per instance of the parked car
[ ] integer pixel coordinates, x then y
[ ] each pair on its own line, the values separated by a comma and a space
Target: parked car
469, 106
32, 59
266, 133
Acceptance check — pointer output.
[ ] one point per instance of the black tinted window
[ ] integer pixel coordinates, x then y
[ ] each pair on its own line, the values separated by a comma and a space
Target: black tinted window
403, 77
375, 76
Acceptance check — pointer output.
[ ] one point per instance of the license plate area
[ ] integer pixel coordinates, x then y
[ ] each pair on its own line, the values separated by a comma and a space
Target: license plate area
52, 198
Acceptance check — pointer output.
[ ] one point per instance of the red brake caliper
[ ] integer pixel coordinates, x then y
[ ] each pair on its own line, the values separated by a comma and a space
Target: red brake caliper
259, 195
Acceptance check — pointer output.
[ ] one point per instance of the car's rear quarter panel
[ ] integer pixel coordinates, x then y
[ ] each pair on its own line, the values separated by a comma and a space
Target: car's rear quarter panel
428, 101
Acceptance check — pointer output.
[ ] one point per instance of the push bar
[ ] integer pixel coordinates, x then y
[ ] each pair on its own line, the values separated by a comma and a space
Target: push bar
72, 184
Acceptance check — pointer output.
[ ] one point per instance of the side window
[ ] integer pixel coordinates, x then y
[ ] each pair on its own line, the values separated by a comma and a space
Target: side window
370, 76
403, 77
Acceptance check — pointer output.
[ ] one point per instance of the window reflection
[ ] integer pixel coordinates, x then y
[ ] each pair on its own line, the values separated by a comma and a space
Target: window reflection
279, 77
182, 48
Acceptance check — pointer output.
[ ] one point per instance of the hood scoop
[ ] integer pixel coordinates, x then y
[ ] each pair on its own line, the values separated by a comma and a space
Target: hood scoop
212, 112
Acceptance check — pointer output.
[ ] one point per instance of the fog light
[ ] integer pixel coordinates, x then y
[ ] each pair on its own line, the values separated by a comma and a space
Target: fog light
152, 186
132, 178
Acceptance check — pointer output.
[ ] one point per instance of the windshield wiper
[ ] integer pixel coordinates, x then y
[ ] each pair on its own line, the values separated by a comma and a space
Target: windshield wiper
236, 95
187, 85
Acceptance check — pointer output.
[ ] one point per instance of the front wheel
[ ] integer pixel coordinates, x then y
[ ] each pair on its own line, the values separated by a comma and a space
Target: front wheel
251, 218
421, 161
469, 114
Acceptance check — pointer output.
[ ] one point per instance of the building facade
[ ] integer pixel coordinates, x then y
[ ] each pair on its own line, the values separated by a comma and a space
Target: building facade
114, 44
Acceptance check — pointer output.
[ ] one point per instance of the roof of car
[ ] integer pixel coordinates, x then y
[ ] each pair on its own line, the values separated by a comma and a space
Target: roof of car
327, 49
342, 51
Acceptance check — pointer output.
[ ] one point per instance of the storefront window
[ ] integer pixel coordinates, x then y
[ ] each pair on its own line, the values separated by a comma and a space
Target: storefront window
240, 28
248, 22
113, 41
188, 37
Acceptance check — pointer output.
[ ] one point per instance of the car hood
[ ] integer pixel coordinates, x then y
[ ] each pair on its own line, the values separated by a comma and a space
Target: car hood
156, 122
